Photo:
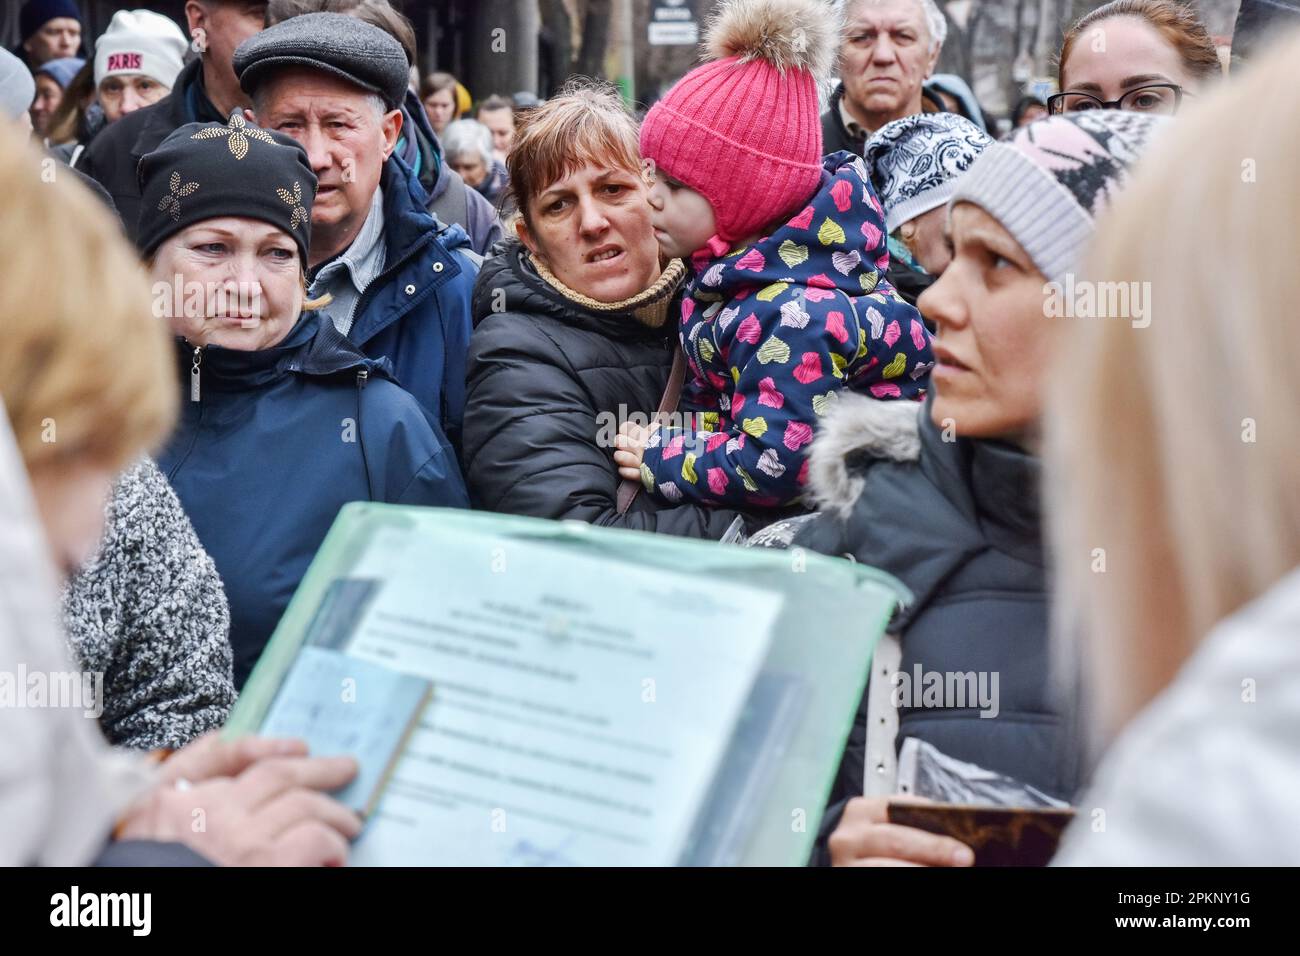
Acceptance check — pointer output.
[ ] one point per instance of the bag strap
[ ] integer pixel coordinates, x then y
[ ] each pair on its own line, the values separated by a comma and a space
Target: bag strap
627, 489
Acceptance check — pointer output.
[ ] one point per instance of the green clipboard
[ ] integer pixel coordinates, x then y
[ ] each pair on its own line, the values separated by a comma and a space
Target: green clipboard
765, 800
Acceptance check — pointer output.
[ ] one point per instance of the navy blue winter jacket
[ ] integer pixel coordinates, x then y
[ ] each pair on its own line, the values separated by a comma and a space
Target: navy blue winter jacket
416, 313
276, 443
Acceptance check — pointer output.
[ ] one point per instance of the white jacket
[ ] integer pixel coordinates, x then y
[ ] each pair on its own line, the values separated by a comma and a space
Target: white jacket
61, 787
1208, 774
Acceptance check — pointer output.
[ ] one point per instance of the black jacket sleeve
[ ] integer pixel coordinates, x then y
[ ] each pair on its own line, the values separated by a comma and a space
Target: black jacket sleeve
148, 853
535, 445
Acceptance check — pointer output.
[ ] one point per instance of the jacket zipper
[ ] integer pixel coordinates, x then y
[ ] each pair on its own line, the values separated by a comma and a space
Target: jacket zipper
363, 376
195, 375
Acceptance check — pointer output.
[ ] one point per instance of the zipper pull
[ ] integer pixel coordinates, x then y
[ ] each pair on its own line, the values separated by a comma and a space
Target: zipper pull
194, 374
363, 375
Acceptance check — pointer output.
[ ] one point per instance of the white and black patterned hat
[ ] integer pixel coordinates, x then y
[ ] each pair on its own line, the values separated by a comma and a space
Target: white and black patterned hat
915, 162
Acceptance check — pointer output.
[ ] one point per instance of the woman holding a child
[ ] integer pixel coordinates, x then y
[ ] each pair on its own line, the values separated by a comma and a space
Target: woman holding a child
574, 327
782, 302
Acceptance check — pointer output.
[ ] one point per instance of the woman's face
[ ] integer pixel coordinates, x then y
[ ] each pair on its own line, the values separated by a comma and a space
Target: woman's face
924, 238
471, 167
232, 281
592, 230
1120, 54
441, 108
992, 336
127, 92
70, 499
48, 97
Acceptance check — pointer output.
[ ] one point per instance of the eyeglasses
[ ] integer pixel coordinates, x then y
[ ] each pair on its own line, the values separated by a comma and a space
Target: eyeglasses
1159, 98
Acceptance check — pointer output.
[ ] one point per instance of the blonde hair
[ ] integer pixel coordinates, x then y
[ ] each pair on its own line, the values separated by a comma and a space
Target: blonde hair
1172, 450
586, 122
86, 371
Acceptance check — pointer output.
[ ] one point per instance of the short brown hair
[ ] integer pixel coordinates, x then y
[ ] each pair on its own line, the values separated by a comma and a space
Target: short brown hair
1177, 23
493, 103
378, 13
87, 371
436, 83
586, 122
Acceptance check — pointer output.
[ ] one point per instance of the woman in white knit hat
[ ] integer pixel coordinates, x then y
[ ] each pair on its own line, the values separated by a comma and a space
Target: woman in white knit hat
136, 61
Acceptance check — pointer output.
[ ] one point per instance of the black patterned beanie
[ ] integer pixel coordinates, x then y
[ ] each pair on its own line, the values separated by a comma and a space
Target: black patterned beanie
915, 161
207, 170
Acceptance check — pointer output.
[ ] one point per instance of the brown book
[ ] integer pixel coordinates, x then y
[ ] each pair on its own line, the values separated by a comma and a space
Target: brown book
1000, 836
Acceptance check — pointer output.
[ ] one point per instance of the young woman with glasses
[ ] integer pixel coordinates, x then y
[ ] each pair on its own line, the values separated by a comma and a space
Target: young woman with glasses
1141, 55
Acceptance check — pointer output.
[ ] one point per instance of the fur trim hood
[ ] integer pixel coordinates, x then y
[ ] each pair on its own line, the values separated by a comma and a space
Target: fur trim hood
858, 427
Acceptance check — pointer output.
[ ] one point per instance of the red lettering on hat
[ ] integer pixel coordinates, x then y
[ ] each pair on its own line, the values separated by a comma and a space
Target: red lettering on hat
124, 61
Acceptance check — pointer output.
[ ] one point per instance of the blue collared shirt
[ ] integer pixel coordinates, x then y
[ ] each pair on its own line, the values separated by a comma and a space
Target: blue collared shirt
347, 275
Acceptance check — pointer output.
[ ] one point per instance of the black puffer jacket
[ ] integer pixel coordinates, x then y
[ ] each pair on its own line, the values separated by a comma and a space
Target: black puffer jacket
958, 522
546, 381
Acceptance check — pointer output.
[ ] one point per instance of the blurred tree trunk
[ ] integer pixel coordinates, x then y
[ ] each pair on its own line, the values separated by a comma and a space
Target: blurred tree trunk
559, 61
595, 39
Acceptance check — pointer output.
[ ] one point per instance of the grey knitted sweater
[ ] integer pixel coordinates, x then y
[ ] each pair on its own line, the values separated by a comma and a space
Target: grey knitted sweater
149, 612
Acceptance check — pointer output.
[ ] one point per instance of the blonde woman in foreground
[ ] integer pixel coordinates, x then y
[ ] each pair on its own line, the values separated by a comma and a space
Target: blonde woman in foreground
1174, 458
86, 387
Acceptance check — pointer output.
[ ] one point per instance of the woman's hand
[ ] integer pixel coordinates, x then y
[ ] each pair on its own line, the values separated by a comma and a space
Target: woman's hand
630, 445
864, 837
252, 802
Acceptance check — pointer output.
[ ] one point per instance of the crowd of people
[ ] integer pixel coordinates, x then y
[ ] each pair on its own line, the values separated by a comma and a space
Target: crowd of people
1042, 378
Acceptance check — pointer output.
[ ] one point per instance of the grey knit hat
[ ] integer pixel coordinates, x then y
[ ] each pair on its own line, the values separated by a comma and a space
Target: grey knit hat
333, 43
17, 88
1048, 182
915, 162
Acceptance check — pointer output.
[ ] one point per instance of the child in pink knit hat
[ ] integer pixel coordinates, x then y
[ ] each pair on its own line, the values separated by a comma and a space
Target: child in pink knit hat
788, 302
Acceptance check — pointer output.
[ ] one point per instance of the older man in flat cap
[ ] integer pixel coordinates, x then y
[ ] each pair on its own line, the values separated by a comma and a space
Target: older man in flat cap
400, 282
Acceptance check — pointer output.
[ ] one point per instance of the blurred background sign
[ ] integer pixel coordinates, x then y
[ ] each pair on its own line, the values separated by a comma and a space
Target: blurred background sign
673, 23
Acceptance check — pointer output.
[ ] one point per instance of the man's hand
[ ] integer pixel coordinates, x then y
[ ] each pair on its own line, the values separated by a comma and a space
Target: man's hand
630, 445
250, 802
864, 837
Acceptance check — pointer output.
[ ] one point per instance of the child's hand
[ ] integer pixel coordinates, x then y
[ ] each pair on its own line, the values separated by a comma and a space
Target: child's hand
629, 446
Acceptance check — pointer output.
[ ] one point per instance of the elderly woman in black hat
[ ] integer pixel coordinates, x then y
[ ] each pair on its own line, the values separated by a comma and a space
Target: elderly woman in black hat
283, 421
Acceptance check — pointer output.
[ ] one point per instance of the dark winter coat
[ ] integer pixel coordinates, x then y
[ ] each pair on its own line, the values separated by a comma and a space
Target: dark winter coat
416, 313
278, 441
959, 523
112, 157
547, 381
836, 136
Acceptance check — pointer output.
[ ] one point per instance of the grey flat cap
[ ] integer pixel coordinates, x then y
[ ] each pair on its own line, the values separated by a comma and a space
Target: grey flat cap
333, 43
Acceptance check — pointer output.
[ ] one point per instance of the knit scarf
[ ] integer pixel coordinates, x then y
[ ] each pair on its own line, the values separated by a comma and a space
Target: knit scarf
649, 307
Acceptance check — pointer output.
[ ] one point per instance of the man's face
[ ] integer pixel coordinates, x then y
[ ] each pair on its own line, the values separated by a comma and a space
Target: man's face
59, 37
887, 54
218, 28
347, 138
125, 93
502, 124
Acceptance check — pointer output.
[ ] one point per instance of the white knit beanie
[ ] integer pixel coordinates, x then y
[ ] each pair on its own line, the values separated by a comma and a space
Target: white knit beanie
140, 41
